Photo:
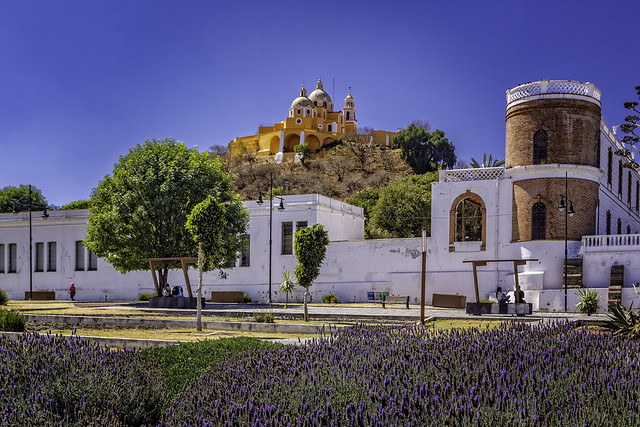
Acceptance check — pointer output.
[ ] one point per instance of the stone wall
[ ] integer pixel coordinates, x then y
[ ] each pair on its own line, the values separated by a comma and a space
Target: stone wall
572, 129
583, 194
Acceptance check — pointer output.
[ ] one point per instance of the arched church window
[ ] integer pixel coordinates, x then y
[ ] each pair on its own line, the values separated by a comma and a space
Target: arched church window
308, 112
540, 147
299, 111
608, 223
348, 115
468, 220
324, 104
315, 103
538, 221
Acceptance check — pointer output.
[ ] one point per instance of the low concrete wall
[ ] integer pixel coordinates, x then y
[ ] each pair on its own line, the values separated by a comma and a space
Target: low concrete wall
280, 328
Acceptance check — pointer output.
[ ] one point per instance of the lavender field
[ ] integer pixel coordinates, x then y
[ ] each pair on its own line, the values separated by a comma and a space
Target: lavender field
367, 375
514, 375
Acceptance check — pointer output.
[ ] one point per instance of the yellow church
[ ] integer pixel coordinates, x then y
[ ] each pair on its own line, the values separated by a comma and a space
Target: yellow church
311, 121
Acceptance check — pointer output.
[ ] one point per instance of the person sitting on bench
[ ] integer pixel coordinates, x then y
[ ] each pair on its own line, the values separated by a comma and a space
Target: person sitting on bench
501, 296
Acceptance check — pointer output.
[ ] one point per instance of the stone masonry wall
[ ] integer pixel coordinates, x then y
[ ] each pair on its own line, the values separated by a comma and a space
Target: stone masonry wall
583, 194
572, 129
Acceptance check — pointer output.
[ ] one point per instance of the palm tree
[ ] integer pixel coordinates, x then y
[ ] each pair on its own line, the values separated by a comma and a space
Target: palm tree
486, 162
287, 285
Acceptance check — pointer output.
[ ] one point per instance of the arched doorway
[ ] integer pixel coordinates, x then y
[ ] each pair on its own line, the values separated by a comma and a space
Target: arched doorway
539, 221
291, 141
274, 145
467, 220
313, 142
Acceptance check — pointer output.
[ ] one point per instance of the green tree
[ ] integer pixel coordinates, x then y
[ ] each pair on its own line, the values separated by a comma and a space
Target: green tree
10, 194
287, 286
310, 247
632, 137
78, 204
404, 207
487, 162
218, 228
425, 151
303, 151
366, 199
140, 211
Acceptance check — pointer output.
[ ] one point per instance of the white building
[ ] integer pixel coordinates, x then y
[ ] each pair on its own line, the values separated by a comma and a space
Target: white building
558, 150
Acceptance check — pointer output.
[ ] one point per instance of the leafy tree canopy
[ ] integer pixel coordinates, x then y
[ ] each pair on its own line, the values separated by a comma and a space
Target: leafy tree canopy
140, 211
310, 247
487, 162
78, 204
10, 194
404, 207
218, 229
366, 199
425, 151
303, 151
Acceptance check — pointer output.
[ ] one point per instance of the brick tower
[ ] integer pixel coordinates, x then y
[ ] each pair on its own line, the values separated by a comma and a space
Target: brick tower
553, 132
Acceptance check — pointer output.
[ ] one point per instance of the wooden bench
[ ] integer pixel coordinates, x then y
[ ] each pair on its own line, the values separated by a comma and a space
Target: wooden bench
395, 299
40, 295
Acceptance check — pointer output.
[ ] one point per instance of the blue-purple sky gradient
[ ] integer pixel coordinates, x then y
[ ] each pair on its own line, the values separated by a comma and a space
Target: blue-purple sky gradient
81, 82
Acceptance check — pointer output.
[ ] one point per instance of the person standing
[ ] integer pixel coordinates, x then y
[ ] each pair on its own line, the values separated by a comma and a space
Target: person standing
72, 291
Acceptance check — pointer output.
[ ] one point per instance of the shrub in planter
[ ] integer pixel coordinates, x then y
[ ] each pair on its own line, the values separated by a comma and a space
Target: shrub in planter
245, 298
330, 298
12, 321
145, 296
4, 298
589, 301
264, 317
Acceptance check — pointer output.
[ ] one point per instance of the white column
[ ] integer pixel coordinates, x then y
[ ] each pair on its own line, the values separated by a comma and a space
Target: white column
301, 137
281, 141
387, 140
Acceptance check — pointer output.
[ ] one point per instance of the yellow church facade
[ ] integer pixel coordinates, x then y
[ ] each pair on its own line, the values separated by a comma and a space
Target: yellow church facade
311, 121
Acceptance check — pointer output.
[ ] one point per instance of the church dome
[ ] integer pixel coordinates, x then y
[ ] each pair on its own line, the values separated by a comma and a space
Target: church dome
302, 100
320, 95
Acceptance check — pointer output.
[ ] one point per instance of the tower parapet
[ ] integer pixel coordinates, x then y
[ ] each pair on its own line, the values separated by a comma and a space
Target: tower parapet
545, 89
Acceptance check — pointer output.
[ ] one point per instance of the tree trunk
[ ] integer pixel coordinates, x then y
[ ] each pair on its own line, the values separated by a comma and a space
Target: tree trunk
199, 293
306, 311
286, 299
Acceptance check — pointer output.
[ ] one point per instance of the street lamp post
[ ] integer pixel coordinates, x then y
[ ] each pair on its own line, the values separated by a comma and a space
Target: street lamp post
567, 213
280, 208
45, 215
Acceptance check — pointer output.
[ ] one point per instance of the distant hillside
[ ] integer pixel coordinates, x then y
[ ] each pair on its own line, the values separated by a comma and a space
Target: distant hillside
339, 172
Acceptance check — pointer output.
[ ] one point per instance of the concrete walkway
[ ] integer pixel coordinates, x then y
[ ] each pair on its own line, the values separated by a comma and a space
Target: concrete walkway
349, 313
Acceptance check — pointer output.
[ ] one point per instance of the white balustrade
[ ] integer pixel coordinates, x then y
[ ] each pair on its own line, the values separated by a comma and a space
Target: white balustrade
611, 243
474, 174
553, 86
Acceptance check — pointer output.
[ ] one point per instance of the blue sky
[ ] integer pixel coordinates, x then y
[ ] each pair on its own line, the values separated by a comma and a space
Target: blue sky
81, 82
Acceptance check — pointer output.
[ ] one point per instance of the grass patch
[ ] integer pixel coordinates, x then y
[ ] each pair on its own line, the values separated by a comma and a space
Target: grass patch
184, 363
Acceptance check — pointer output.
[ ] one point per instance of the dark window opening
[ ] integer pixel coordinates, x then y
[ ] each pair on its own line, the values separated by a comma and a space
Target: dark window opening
538, 221
287, 238
93, 261
619, 226
628, 229
245, 257
620, 177
629, 189
13, 257
39, 256
468, 221
79, 256
610, 167
540, 148
51, 256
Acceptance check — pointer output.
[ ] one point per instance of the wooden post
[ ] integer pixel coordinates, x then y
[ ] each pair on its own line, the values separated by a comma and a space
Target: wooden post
185, 269
515, 271
155, 278
475, 281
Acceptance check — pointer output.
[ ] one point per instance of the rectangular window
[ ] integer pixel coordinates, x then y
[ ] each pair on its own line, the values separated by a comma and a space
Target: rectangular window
608, 231
51, 256
629, 189
637, 196
1, 258
620, 178
610, 166
13, 257
245, 256
619, 226
300, 225
93, 261
287, 238
39, 256
79, 255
